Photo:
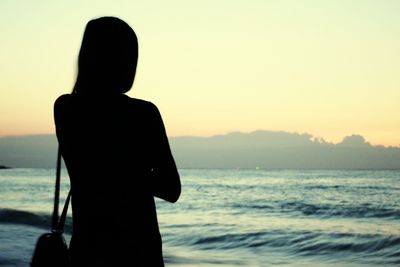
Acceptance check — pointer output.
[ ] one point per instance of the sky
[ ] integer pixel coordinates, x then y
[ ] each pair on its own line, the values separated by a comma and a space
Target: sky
328, 68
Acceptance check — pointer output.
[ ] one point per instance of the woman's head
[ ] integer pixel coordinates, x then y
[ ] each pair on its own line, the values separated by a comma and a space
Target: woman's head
108, 57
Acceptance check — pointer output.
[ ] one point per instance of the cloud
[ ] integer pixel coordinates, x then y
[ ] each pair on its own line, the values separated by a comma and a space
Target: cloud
263, 149
354, 140
283, 150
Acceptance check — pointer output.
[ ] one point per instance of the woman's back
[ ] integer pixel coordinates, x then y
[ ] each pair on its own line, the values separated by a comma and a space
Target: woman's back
118, 158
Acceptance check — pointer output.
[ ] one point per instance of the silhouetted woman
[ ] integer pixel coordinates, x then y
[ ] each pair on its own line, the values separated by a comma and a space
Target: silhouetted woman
116, 152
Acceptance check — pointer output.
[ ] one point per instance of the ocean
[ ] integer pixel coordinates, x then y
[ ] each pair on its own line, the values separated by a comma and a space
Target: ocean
238, 217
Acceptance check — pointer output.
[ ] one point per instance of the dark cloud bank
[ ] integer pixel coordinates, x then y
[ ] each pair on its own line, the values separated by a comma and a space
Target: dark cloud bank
263, 149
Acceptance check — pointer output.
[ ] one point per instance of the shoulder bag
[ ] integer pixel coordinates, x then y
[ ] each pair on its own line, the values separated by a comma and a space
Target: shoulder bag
51, 249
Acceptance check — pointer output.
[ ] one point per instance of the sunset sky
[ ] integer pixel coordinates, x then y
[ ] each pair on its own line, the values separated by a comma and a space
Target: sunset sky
329, 68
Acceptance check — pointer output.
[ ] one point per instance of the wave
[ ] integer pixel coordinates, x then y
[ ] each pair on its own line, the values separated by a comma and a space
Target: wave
280, 238
351, 211
322, 210
29, 218
371, 247
308, 243
352, 188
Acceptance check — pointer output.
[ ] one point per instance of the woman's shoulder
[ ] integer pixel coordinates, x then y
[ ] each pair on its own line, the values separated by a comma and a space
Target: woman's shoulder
66, 100
63, 97
61, 101
141, 103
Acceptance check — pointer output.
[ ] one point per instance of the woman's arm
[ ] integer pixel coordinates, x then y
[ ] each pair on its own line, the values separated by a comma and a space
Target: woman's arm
59, 113
167, 184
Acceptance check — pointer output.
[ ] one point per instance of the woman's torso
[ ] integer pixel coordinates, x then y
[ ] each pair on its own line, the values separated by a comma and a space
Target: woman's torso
106, 144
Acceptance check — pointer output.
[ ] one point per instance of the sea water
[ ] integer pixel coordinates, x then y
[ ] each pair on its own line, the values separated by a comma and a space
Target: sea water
238, 217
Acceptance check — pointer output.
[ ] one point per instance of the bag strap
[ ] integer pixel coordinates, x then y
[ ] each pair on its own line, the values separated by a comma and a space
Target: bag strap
58, 223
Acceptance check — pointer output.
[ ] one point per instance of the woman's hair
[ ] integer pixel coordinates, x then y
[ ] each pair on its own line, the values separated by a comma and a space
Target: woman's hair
108, 57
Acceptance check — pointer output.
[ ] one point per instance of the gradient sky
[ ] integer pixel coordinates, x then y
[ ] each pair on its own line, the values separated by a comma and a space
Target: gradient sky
329, 68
